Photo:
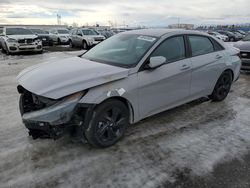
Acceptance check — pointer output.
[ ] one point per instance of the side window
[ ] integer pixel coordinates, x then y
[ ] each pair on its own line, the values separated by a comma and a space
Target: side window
172, 49
200, 45
74, 32
217, 46
1, 30
79, 32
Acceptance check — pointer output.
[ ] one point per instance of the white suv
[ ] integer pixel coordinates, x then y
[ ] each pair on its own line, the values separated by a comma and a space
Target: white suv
19, 39
60, 36
85, 38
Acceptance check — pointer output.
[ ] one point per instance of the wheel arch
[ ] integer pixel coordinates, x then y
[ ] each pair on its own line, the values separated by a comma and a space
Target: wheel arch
231, 71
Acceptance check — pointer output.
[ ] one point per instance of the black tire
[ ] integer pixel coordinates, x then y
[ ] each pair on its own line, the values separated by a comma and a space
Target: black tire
40, 52
21, 98
222, 87
108, 124
71, 44
7, 51
84, 45
58, 41
231, 39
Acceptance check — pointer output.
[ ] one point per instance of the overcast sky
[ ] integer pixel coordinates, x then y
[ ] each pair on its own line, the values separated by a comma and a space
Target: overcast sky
128, 12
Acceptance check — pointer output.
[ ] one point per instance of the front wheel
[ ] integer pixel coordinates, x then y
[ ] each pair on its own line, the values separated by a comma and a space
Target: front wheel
231, 39
222, 87
84, 45
71, 44
58, 41
108, 123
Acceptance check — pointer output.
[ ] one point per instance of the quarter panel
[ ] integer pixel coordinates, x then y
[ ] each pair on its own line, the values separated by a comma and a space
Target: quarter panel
205, 73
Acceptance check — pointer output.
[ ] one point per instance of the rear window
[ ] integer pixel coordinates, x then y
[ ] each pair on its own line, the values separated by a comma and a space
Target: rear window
200, 45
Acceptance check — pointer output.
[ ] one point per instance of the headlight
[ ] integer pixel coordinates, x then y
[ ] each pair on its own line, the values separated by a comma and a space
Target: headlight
74, 97
37, 40
12, 40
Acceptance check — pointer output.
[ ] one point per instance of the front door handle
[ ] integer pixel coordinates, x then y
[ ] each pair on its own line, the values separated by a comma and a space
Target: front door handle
184, 67
218, 56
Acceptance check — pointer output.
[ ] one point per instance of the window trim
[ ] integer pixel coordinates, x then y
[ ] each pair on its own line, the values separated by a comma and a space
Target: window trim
142, 67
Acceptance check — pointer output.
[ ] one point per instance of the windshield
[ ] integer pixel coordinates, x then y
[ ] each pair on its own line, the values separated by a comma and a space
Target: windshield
18, 31
63, 31
123, 50
39, 31
246, 38
89, 32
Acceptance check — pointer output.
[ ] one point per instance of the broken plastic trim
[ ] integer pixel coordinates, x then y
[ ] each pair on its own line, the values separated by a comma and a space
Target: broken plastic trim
56, 114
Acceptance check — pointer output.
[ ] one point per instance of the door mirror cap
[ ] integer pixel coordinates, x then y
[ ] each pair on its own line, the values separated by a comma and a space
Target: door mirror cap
155, 62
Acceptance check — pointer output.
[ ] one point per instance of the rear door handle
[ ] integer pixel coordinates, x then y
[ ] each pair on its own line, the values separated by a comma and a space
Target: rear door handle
184, 67
218, 57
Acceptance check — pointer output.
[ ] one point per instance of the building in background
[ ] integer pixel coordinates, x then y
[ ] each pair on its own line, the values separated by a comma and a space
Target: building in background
44, 27
181, 26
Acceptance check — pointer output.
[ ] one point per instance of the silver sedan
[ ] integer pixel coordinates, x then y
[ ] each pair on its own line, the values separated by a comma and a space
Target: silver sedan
123, 80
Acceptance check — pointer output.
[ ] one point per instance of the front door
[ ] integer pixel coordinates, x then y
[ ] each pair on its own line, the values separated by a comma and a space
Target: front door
169, 84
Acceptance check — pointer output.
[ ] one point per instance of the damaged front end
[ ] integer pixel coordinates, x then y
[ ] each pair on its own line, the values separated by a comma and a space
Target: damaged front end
49, 118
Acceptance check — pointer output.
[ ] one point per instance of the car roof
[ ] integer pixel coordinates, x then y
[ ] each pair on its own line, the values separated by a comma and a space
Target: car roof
162, 32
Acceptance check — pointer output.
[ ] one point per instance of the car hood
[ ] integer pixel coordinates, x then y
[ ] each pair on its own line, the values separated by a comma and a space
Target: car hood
22, 36
64, 77
243, 45
63, 35
95, 36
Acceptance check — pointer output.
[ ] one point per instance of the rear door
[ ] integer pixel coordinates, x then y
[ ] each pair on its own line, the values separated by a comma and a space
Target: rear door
168, 85
208, 61
79, 37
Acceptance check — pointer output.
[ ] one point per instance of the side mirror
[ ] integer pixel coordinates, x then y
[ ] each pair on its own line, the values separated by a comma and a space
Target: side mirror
79, 34
155, 62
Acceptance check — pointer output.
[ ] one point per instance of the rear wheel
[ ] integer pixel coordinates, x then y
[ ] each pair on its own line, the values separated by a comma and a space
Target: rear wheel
108, 123
222, 87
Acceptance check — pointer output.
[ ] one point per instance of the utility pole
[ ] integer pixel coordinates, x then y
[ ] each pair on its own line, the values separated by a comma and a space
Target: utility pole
58, 19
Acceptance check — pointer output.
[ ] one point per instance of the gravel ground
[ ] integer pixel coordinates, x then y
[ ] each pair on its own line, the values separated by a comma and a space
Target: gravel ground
200, 144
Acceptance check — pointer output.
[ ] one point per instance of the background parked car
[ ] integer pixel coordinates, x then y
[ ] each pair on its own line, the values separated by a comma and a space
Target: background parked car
218, 35
239, 32
106, 33
60, 36
1, 34
43, 36
19, 39
84, 38
244, 46
232, 37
